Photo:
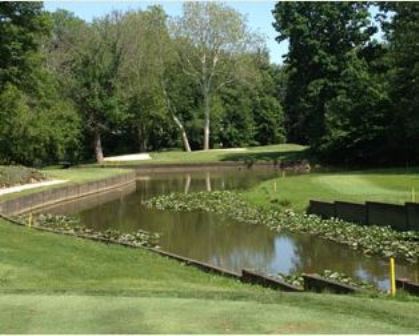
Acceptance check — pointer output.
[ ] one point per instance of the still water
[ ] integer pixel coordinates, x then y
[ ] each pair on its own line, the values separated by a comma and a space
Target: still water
222, 241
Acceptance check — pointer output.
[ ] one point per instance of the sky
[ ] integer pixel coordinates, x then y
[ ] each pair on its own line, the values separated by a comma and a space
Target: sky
258, 13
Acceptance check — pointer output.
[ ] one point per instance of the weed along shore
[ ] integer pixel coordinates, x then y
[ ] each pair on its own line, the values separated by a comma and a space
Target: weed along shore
382, 241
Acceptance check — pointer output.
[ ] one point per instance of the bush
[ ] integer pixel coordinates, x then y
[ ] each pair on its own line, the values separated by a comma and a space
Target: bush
15, 175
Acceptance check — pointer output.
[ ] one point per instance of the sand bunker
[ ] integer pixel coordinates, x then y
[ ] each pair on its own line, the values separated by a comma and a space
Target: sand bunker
129, 157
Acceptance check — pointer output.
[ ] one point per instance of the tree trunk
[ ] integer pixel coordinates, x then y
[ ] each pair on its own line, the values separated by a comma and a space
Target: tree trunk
172, 110
207, 121
142, 141
98, 147
183, 133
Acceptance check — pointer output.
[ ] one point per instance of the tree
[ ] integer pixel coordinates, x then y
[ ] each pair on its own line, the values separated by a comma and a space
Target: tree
37, 124
323, 38
402, 34
95, 69
149, 57
213, 36
267, 110
22, 28
356, 119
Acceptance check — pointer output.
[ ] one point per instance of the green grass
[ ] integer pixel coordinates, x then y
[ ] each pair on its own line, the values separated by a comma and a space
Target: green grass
81, 175
385, 185
73, 176
261, 153
59, 284
103, 314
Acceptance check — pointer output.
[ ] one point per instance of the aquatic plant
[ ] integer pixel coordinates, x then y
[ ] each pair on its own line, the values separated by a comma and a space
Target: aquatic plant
371, 240
296, 279
72, 225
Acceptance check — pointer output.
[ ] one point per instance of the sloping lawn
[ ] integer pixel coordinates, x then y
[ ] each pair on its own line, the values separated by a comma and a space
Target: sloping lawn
57, 284
386, 185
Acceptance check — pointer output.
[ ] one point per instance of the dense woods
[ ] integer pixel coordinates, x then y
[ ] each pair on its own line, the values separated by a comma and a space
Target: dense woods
143, 81
351, 96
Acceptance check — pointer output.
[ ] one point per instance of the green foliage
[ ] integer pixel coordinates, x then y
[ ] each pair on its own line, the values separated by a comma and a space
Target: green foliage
35, 131
37, 124
121, 83
369, 239
352, 98
323, 37
402, 33
141, 81
22, 28
355, 119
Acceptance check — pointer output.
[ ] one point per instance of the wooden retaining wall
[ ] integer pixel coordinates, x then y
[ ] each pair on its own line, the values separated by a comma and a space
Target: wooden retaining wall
399, 217
62, 193
408, 286
315, 283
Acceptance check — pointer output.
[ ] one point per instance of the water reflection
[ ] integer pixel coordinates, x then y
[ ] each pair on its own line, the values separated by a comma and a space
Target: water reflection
222, 241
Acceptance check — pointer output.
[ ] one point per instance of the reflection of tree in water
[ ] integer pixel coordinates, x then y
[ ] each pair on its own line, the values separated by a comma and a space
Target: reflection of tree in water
315, 255
220, 241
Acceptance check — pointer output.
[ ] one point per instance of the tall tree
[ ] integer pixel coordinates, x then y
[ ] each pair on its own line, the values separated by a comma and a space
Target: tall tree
95, 69
22, 29
149, 56
267, 107
402, 33
214, 35
322, 40
37, 124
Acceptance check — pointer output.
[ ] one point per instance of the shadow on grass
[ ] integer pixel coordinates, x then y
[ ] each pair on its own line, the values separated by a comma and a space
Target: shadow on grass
274, 157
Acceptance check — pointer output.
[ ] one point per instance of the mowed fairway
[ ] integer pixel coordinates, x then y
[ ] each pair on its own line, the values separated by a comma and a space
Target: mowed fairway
58, 284
387, 185
118, 314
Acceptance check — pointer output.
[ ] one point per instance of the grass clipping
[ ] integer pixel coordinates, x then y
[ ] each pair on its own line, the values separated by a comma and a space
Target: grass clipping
371, 240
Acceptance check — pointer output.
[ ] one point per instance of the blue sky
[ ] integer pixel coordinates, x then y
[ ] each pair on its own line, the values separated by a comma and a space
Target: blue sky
258, 14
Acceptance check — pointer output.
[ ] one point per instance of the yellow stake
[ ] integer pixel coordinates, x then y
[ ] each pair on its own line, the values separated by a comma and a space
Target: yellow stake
274, 186
392, 277
30, 220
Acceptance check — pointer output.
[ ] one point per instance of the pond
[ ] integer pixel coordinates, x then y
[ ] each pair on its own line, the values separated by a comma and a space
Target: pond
222, 241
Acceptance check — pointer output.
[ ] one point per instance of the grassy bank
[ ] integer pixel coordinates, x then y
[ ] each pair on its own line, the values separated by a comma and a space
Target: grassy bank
81, 175
72, 176
60, 284
386, 185
17, 175
285, 152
